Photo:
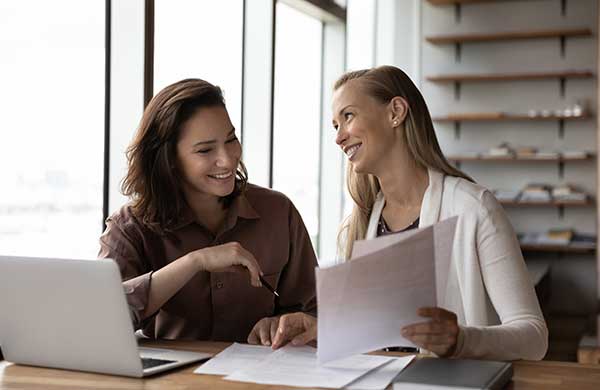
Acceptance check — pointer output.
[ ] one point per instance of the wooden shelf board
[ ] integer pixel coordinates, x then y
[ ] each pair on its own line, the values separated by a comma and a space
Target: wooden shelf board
451, 2
556, 248
513, 159
509, 35
586, 203
504, 117
510, 76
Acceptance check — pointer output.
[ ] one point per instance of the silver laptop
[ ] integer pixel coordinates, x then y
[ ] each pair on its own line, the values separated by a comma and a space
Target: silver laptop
72, 314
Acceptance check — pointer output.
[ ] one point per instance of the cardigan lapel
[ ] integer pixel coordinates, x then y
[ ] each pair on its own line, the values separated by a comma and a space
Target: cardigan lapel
430, 207
375, 215
432, 199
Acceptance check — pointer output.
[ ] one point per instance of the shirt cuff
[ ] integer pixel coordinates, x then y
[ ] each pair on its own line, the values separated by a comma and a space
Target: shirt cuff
137, 292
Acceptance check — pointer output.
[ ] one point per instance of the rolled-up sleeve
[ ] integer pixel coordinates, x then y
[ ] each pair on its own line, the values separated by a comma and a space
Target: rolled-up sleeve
118, 244
297, 284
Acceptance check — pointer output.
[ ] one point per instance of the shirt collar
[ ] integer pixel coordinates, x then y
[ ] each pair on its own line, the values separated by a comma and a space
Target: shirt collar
240, 208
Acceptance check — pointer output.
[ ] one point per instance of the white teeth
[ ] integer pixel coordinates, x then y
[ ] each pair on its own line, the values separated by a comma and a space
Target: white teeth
350, 152
222, 175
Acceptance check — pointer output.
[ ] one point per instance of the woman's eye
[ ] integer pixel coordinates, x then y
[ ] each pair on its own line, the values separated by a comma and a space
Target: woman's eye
348, 115
231, 140
203, 151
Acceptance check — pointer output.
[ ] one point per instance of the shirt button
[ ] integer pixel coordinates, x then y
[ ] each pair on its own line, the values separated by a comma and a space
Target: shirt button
219, 284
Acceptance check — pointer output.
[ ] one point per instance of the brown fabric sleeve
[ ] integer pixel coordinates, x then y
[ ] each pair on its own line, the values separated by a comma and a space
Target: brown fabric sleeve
117, 244
297, 288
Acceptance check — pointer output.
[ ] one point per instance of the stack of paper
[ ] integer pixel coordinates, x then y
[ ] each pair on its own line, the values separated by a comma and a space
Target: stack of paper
297, 366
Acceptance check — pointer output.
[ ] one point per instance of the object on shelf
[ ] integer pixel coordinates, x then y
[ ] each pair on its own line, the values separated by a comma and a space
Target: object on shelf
546, 155
526, 152
568, 193
584, 241
507, 195
536, 192
576, 110
573, 154
502, 150
557, 238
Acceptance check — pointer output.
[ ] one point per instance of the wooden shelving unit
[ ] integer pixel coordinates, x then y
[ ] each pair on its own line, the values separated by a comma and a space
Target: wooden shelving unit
509, 36
570, 74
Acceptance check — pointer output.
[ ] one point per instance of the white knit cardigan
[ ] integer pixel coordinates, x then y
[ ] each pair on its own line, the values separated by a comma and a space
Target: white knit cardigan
488, 285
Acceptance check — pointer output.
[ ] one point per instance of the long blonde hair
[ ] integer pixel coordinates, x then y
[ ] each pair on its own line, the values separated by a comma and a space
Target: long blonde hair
384, 83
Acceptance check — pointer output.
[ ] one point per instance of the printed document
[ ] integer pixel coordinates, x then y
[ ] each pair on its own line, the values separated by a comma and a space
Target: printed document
234, 358
298, 366
363, 303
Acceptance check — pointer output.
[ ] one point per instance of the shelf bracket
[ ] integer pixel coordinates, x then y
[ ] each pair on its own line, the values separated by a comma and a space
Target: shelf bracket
458, 12
561, 169
563, 46
561, 128
457, 51
456, 130
561, 212
562, 87
457, 90
563, 7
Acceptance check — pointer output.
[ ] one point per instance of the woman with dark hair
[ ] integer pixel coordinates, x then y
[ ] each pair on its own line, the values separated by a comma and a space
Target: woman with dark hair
195, 230
399, 179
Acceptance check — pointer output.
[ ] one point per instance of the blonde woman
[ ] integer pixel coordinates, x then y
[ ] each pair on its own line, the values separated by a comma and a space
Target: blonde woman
399, 179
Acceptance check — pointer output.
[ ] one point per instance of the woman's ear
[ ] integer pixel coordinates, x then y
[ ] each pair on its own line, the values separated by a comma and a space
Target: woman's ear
398, 108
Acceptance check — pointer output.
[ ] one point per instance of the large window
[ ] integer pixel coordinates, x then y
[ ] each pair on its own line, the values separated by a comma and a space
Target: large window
297, 112
52, 130
200, 39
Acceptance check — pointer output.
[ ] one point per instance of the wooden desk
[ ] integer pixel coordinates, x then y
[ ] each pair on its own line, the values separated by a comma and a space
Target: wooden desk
528, 375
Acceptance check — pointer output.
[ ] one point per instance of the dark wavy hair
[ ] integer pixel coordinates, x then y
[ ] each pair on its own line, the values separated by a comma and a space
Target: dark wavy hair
152, 181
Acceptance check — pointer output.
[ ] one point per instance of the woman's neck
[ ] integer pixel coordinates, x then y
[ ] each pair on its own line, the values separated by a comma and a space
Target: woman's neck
207, 210
403, 183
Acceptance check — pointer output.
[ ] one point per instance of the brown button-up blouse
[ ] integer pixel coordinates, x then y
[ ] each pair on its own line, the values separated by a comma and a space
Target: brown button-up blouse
217, 306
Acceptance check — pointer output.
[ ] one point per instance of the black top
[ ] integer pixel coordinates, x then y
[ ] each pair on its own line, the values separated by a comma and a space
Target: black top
384, 230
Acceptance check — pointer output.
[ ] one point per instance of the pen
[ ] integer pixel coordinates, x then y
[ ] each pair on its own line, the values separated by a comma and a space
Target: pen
267, 285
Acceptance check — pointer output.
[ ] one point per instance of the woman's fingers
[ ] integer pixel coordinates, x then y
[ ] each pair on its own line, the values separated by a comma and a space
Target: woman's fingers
436, 313
290, 325
303, 338
264, 333
273, 327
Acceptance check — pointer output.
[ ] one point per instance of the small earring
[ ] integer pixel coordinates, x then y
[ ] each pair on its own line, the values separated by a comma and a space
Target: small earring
395, 123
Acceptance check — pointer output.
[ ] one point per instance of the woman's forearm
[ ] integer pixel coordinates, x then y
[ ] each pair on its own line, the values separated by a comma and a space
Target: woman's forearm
167, 281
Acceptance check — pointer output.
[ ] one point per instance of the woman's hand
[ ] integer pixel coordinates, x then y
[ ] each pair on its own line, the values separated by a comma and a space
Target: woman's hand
228, 257
264, 331
299, 328
439, 335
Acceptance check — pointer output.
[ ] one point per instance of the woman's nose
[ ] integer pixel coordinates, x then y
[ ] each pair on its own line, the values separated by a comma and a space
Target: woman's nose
341, 136
226, 159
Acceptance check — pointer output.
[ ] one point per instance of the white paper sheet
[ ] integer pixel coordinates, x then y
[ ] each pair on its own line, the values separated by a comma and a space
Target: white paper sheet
381, 377
363, 303
234, 358
297, 366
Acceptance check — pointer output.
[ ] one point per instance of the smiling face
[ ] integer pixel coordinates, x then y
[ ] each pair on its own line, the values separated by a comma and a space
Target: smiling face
208, 153
365, 127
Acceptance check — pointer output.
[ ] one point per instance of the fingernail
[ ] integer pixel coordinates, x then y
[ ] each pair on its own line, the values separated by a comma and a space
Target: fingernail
404, 332
267, 343
295, 342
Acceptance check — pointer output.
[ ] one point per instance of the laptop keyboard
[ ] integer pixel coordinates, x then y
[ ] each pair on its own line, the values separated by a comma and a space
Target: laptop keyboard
149, 362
